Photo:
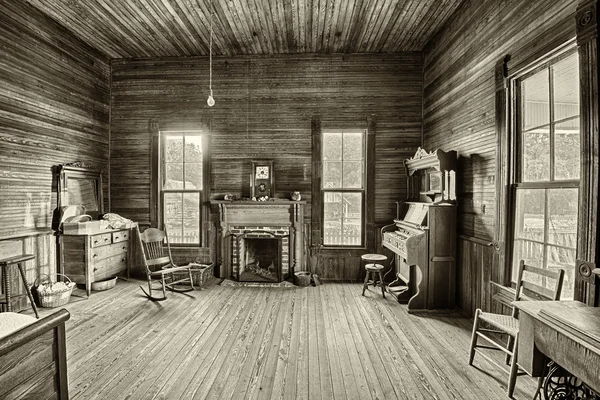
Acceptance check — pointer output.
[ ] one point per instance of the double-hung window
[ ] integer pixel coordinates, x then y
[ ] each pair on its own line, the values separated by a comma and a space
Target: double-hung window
546, 180
181, 185
343, 187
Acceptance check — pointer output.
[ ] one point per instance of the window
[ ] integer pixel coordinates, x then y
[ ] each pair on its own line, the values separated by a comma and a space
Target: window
181, 186
546, 183
343, 187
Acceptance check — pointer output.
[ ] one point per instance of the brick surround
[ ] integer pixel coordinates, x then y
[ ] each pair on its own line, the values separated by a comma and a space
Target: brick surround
260, 232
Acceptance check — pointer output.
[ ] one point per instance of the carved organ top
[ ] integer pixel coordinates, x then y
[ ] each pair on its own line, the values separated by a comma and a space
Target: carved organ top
432, 176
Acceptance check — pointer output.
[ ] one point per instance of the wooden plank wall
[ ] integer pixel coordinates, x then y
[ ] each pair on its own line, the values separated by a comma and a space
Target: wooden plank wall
264, 107
54, 108
459, 114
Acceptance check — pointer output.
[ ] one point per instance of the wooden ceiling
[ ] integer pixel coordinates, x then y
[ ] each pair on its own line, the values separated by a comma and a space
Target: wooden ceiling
158, 28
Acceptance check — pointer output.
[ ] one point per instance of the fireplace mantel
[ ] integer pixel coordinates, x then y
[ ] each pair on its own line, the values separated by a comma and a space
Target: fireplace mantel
284, 217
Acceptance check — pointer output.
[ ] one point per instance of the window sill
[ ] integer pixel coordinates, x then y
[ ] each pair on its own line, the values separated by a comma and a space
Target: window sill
331, 249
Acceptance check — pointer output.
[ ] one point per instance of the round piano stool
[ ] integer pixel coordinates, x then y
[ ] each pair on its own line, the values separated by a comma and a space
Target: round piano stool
373, 259
374, 271
5, 265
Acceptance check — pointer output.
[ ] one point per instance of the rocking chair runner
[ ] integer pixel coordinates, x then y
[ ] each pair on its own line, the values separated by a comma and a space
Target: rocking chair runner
160, 266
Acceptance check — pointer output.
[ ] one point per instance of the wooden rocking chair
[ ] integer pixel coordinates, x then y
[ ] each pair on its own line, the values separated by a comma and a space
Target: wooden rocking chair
160, 266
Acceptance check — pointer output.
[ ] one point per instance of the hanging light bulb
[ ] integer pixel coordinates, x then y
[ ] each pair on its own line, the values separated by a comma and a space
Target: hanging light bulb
210, 101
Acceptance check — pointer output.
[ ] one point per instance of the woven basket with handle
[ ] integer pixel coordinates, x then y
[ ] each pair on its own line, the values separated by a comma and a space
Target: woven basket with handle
54, 298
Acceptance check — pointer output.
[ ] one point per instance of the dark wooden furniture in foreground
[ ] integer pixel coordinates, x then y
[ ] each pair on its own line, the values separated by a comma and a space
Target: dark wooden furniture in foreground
509, 324
160, 266
6, 265
423, 235
33, 361
567, 332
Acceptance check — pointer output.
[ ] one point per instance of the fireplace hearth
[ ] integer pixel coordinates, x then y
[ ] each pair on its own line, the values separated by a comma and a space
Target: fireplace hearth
259, 257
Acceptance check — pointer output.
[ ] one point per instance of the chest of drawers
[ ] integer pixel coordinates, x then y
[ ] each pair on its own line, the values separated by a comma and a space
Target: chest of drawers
87, 258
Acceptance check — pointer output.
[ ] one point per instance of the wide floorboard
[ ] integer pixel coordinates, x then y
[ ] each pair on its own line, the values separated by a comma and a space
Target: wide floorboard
325, 342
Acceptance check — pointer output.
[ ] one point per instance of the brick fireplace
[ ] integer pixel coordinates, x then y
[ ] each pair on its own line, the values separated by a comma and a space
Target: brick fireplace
260, 255
260, 241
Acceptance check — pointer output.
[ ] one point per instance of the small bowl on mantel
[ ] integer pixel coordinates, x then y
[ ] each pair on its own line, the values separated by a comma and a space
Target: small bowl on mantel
104, 284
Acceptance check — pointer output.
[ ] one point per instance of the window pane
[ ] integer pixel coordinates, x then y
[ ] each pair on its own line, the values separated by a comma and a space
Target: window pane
529, 216
536, 155
532, 253
332, 174
173, 176
567, 150
191, 218
342, 215
352, 212
559, 258
193, 176
562, 214
173, 148
193, 149
173, 216
566, 87
353, 174
332, 146
332, 218
353, 146
535, 97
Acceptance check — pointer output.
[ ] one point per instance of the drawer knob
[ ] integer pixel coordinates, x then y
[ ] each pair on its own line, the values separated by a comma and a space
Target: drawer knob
95, 269
95, 241
116, 238
124, 247
95, 255
106, 239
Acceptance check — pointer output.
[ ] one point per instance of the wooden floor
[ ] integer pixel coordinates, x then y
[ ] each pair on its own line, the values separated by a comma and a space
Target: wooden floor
325, 342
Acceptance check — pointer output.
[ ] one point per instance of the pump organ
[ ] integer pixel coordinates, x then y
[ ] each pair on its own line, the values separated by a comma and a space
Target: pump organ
423, 235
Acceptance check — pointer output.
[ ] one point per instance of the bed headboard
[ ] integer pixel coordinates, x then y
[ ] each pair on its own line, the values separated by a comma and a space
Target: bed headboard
33, 361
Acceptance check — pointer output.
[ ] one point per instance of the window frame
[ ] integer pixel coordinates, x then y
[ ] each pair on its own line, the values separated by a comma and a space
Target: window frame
515, 155
162, 192
343, 190
199, 127
368, 125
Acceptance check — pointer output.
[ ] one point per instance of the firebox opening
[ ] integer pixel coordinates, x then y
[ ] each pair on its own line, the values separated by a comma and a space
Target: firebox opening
260, 261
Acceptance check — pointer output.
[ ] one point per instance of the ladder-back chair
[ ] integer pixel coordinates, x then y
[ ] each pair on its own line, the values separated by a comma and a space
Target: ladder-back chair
535, 282
160, 266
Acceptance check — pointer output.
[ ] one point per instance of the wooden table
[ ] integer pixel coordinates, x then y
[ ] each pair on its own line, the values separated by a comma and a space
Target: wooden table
5, 267
567, 332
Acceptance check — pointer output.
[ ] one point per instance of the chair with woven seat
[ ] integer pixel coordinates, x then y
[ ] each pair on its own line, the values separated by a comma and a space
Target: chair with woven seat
160, 266
532, 284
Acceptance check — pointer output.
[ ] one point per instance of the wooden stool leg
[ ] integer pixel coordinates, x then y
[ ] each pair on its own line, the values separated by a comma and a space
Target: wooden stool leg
6, 288
22, 271
381, 284
367, 273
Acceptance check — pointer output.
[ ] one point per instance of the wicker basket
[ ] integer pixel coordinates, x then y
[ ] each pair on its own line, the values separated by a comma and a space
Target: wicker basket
51, 299
201, 273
